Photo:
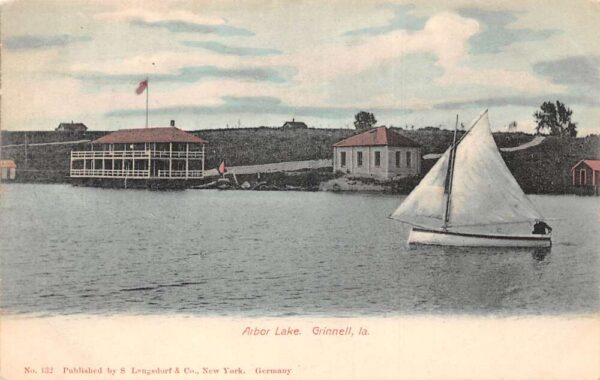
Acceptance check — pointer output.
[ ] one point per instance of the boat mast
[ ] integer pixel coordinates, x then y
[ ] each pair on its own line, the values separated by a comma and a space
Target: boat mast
449, 176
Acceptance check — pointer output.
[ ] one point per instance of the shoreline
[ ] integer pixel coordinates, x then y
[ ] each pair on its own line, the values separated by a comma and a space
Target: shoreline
344, 185
542, 168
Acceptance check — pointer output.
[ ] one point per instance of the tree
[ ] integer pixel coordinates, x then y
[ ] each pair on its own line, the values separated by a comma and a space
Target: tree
364, 120
556, 119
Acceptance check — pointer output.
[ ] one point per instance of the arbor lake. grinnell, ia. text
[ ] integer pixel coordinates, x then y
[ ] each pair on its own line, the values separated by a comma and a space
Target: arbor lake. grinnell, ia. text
317, 331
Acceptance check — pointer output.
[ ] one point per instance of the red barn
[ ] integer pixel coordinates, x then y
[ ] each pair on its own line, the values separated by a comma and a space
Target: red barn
585, 176
8, 169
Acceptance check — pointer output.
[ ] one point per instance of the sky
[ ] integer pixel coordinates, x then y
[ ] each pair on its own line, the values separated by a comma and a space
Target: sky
220, 64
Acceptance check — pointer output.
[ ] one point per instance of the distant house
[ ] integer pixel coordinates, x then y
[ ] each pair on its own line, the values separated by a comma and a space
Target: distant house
8, 169
585, 177
380, 153
294, 124
71, 127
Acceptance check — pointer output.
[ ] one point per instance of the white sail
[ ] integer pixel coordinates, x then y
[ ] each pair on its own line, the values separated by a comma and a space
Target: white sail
484, 190
427, 200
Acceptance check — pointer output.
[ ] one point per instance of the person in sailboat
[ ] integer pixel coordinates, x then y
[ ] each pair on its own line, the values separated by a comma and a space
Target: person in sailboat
541, 228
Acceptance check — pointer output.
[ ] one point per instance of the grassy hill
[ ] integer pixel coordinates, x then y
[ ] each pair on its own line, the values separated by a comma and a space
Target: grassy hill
546, 168
541, 169
252, 146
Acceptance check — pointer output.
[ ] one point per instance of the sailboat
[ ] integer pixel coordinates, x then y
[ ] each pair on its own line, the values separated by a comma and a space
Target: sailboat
468, 196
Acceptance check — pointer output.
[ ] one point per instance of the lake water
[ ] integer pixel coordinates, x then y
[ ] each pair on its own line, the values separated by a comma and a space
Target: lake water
71, 250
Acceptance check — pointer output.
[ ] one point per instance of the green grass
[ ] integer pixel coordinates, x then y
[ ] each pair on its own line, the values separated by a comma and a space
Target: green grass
541, 169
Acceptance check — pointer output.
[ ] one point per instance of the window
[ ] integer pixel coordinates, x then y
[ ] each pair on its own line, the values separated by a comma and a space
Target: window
397, 159
343, 159
582, 177
408, 157
377, 158
358, 158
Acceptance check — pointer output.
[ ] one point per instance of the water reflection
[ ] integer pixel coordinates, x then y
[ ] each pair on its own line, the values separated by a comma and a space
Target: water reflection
272, 253
539, 254
478, 279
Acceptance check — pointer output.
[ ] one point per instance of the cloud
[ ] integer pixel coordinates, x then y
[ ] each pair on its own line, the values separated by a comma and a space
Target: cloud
220, 48
156, 62
403, 19
519, 101
444, 35
175, 21
29, 42
178, 26
496, 35
404, 82
254, 105
191, 74
519, 81
167, 13
574, 70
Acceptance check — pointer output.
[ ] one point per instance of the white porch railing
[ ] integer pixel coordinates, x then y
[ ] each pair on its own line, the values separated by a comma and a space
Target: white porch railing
180, 174
109, 173
91, 154
129, 173
110, 154
176, 154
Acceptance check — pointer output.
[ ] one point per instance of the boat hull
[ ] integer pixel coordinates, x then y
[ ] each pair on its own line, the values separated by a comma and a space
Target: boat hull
424, 236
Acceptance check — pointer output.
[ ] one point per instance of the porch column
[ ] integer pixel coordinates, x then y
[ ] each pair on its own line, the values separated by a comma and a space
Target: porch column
202, 160
187, 166
170, 157
123, 160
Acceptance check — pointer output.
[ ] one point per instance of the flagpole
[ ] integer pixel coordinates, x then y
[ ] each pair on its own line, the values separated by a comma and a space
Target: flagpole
147, 94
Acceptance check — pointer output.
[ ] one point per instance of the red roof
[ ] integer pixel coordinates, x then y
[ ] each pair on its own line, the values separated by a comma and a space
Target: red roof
8, 164
149, 135
380, 136
593, 164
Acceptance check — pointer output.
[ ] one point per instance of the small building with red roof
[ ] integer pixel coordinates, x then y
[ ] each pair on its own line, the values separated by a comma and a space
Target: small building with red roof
379, 153
585, 175
8, 169
162, 153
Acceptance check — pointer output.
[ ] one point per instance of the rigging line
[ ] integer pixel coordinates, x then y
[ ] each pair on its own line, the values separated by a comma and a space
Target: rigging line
451, 163
407, 222
492, 224
466, 133
450, 175
471, 127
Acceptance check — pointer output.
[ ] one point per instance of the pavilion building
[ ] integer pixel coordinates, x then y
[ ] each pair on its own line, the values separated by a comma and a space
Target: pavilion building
144, 157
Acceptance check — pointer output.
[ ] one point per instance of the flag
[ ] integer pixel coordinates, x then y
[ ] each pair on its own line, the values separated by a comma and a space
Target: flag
142, 86
222, 168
